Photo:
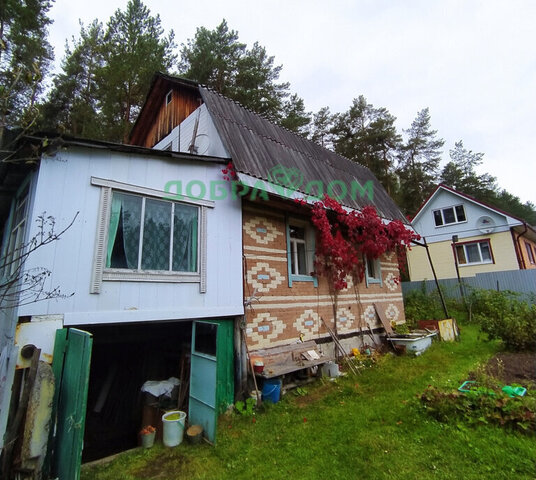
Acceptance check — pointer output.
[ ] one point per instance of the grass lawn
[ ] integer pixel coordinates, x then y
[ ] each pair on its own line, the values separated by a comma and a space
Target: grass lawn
366, 427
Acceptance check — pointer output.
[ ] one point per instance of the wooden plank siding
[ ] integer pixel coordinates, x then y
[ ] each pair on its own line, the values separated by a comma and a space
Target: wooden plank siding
157, 118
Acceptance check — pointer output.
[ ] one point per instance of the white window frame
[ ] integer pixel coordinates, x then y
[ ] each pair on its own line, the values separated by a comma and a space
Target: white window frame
374, 278
478, 243
294, 242
292, 252
100, 273
16, 232
442, 212
169, 97
530, 253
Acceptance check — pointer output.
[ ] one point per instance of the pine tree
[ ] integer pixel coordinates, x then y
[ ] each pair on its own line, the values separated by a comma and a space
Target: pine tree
72, 103
134, 49
321, 128
460, 173
255, 85
368, 136
418, 163
217, 59
295, 118
25, 56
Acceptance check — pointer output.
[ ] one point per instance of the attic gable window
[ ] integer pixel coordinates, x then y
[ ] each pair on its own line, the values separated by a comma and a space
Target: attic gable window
449, 215
169, 97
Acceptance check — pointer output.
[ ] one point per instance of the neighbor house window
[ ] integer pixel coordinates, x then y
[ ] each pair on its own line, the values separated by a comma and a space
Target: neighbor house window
149, 234
143, 236
373, 274
471, 253
449, 215
300, 251
530, 252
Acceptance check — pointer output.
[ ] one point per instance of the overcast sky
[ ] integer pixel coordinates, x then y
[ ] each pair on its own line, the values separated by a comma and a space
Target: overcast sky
473, 63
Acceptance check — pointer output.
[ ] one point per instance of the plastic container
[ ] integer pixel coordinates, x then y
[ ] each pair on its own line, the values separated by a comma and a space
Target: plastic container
147, 440
174, 423
258, 366
271, 390
514, 391
330, 369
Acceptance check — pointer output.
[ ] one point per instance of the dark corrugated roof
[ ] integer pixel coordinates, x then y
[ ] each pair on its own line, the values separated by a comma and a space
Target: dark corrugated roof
257, 146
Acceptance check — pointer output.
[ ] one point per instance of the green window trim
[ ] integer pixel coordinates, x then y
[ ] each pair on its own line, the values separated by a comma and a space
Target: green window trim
374, 279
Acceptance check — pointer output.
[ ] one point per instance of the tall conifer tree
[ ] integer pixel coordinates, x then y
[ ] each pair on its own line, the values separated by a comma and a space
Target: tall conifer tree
418, 167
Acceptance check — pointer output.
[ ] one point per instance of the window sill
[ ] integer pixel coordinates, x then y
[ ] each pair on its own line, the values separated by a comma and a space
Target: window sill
450, 224
303, 278
373, 281
474, 264
150, 276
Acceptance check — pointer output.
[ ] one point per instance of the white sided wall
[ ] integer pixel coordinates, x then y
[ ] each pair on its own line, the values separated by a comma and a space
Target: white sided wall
206, 141
64, 188
425, 226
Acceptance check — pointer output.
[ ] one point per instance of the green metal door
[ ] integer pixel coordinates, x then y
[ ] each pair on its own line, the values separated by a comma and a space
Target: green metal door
211, 376
72, 357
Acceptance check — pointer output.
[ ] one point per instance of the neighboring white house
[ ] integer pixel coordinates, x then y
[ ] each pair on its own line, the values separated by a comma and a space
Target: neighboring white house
486, 239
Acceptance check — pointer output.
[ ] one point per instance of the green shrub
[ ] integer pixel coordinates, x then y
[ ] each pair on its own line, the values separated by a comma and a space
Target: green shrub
420, 305
481, 406
504, 316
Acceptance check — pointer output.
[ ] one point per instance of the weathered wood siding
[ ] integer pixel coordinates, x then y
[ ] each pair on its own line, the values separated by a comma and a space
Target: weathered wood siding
283, 313
170, 115
164, 117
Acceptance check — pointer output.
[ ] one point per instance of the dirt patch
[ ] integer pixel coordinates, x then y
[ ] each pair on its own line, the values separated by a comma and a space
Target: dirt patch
313, 395
170, 461
514, 368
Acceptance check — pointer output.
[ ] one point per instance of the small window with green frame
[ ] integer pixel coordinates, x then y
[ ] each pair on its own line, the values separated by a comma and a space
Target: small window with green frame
300, 252
373, 272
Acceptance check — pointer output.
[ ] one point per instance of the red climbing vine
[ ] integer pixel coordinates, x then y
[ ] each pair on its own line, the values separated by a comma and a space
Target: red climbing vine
345, 238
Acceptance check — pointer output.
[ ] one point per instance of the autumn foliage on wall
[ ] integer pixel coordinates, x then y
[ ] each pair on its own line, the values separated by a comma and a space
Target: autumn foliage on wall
345, 238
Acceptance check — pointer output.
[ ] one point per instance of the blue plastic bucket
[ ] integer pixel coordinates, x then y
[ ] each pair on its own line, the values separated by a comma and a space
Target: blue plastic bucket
271, 390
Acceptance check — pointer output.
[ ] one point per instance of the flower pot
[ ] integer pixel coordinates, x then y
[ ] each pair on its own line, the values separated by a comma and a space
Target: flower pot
147, 440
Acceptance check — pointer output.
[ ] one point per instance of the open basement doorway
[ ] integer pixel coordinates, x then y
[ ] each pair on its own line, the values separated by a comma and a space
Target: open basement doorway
124, 357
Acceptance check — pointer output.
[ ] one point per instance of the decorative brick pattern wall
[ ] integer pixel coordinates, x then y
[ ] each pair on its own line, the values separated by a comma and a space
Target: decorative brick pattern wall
282, 314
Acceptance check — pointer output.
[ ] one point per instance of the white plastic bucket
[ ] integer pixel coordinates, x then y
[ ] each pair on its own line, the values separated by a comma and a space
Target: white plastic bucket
174, 423
330, 369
